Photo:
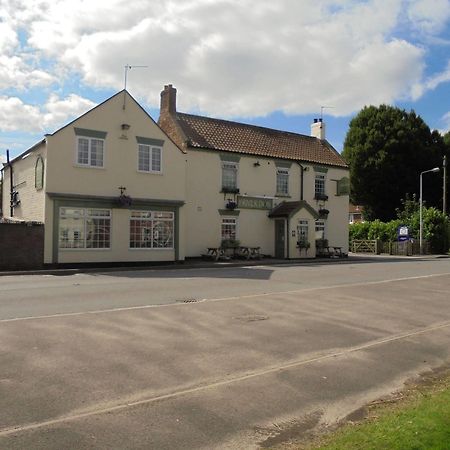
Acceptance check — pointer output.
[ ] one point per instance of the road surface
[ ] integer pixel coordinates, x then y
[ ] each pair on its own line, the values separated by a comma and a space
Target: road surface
211, 358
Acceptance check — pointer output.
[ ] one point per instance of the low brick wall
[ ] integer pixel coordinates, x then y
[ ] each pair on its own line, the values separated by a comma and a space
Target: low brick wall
21, 246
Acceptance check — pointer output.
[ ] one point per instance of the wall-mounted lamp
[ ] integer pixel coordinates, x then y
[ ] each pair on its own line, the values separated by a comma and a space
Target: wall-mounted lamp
256, 164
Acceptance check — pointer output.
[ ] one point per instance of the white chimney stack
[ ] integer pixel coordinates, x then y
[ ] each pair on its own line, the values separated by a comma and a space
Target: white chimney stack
318, 129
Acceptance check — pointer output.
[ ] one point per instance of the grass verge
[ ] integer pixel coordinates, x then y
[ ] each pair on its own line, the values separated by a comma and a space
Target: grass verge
417, 418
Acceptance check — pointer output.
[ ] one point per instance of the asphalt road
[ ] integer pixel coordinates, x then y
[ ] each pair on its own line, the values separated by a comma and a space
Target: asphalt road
211, 358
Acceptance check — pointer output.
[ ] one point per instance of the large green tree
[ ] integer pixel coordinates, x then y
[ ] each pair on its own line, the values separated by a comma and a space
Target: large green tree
387, 148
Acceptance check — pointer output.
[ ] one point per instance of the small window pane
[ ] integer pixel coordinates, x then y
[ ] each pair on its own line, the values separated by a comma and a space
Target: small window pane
144, 158
83, 151
97, 152
156, 159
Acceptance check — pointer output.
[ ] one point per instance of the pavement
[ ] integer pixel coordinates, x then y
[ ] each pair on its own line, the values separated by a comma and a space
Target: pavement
197, 263
205, 358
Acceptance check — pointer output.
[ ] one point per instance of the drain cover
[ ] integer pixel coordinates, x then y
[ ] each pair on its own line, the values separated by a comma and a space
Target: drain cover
251, 318
188, 300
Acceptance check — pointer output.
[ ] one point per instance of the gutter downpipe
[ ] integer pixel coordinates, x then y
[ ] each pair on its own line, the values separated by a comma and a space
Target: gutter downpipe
302, 169
11, 188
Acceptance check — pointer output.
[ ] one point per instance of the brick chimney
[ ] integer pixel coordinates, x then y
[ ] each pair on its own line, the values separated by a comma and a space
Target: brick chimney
318, 129
168, 100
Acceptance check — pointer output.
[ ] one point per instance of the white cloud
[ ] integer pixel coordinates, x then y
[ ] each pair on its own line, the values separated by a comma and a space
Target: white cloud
429, 16
15, 115
228, 57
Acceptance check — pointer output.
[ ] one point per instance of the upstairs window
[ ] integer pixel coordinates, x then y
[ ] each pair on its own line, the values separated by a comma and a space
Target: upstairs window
229, 175
149, 158
319, 185
90, 151
282, 181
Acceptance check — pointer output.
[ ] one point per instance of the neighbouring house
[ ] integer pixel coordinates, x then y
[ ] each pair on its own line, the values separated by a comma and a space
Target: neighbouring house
274, 189
355, 213
114, 186
108, 186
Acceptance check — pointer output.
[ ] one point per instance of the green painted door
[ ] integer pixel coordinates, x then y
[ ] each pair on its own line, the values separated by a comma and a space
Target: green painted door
280, 238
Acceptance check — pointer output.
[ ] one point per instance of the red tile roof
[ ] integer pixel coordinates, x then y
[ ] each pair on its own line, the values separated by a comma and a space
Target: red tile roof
224, 135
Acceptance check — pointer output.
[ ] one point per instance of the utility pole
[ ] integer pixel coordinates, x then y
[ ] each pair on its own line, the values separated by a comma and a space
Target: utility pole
444, 186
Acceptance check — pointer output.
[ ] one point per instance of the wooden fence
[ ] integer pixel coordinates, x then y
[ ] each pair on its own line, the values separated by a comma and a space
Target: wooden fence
375, 247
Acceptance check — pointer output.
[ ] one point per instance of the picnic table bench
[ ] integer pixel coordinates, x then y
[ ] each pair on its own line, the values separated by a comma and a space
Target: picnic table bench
330, 251
216, 253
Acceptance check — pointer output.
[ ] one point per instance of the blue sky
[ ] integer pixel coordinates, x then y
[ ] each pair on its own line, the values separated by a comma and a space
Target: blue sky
268, 63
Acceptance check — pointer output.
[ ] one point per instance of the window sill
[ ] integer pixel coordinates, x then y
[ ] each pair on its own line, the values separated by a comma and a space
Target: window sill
320, 197
230, 190
151, 248
283, 195
83, 249
149, 172
86, 166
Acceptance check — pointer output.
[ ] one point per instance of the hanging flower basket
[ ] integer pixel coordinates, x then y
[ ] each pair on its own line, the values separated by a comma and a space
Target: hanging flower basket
231, 204
125, 201
323, 213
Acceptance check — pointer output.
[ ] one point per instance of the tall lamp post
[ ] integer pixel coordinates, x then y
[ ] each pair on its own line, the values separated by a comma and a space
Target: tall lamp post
435, 169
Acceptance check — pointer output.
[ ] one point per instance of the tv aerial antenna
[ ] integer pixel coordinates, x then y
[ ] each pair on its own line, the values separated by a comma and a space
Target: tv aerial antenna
321, 110
128, 67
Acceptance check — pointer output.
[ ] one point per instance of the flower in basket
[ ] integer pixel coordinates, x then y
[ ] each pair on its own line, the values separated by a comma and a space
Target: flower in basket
125, 200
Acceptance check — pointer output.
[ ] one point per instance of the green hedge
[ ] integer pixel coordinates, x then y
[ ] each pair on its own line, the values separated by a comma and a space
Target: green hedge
436, 229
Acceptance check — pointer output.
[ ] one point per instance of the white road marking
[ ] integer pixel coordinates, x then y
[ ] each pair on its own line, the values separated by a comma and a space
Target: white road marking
263, 294
218, 384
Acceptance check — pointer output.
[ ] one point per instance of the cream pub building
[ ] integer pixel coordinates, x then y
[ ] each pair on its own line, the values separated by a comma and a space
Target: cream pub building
114, 186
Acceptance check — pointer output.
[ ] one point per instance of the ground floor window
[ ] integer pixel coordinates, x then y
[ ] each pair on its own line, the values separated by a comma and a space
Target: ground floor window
320, 229
84, 228
151, 229
302, 232
229, 228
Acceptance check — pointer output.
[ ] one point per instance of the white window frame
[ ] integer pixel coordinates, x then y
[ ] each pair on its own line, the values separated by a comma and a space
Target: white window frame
285, 172
89, 163
320, 179
235, 166
152, 217
235, 221
150, 149
84, 216
303, 224
320, 228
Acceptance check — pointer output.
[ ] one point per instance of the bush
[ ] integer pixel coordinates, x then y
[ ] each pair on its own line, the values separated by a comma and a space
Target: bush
436, 227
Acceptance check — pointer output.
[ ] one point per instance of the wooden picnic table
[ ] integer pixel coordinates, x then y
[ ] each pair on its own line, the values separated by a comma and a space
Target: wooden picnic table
215, 253
249, 252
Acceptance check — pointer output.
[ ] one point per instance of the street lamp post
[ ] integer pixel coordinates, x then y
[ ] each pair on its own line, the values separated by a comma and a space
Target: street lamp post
435, 169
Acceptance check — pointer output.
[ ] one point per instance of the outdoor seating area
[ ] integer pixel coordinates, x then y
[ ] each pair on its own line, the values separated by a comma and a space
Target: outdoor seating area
324, 250
227, 253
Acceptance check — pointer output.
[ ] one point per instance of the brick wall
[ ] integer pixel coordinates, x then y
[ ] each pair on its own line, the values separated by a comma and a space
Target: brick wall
21, 246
